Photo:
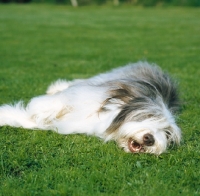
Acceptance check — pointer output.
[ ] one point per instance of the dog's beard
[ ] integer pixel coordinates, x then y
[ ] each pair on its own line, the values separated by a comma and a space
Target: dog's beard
150, 136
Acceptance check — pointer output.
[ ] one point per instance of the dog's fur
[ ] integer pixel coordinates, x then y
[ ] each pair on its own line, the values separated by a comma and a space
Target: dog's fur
133, 105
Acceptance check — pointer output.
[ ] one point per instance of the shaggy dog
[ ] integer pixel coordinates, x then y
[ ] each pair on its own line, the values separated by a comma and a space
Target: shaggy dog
133, 105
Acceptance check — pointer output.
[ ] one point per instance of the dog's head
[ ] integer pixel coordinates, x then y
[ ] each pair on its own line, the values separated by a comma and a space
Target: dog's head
146, 100
150, 128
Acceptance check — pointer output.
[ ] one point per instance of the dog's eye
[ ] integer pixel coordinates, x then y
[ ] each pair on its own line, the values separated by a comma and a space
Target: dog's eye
168, 134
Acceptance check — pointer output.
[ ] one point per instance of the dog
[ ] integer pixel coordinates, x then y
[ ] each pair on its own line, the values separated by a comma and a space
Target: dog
134, 105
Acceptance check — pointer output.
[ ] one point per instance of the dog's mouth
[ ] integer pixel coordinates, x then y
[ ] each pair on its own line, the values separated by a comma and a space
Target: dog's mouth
134, 146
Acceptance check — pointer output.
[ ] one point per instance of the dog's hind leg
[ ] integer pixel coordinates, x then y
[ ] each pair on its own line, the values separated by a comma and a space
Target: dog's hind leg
47, 109
40, 113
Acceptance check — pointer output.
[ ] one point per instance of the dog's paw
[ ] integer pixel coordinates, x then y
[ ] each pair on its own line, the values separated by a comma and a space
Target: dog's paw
58, 86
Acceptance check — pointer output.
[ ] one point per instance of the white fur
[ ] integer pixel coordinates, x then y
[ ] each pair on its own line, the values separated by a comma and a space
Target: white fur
73, 107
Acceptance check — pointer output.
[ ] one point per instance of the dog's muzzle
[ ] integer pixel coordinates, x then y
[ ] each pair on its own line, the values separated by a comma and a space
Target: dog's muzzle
135, 147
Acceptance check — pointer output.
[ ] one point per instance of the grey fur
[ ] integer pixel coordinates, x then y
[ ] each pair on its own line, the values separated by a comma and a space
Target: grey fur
142, 90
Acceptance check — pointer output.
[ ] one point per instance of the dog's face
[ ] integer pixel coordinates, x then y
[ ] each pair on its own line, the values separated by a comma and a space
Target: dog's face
151, 129
145, 124
149, 136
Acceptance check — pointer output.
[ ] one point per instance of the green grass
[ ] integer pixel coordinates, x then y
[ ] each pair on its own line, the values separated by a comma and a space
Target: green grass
40, 43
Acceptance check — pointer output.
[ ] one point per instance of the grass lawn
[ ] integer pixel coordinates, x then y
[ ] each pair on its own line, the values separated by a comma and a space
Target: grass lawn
40, 43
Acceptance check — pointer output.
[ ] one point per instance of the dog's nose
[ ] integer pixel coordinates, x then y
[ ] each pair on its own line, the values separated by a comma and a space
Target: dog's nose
148, 139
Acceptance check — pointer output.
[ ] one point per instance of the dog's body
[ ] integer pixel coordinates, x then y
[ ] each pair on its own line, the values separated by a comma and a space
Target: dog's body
133, 105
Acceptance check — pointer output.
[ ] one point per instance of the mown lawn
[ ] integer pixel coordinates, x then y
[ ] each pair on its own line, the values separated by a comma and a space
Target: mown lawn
40, 43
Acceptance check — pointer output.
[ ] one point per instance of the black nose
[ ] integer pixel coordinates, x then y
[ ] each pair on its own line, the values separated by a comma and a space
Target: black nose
148, 139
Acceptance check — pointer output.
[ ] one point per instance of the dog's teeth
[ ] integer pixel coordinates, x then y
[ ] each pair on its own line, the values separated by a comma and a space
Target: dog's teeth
134, 146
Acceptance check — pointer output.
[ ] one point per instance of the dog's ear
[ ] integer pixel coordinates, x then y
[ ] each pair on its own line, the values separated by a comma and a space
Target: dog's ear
133, 110
119, 94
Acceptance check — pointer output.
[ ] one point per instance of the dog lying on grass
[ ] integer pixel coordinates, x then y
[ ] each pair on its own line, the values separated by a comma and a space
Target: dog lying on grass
133, 105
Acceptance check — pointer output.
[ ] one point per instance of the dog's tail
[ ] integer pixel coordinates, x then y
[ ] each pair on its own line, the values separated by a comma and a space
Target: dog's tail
15, 116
